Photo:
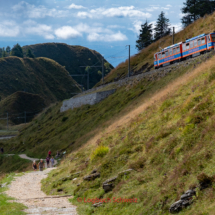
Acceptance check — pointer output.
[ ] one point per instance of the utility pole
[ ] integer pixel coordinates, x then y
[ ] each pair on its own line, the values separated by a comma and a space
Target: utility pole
88, 78
7, 121
173, 34
102, 70
129, 72
25, 116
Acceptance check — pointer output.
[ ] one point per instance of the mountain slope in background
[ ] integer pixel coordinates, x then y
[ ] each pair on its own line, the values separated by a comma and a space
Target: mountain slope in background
21, 104
72, 57
41, 76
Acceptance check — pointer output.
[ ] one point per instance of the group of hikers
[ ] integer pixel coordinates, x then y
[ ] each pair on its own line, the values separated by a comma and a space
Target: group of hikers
49, 161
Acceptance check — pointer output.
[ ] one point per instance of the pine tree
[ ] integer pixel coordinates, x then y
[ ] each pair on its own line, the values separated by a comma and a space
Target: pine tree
162, 27
194, 9
17, 51
8, 50
29, 54
4, 53
146, 37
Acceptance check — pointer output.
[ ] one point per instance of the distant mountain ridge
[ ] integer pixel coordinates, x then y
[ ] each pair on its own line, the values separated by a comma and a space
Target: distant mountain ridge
72, 57
41, 76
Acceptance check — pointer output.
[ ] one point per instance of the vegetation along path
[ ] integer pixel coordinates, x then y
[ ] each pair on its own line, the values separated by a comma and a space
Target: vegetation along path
27, 190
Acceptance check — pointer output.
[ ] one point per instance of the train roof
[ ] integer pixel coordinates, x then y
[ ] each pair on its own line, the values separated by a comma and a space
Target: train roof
194, 38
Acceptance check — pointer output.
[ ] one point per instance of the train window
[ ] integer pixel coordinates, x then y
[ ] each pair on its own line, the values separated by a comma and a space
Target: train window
209, 38
163, 54
195, 43
184, 47
191, 44
199, 42
187, 46
159, 56
213, 37
178, 49
167, 54
203, 40
174, 50
170, 52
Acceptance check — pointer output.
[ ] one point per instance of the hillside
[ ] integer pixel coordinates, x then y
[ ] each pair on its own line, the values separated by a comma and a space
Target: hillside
41, 76
143, 61
20, 103
72, 57
163, 129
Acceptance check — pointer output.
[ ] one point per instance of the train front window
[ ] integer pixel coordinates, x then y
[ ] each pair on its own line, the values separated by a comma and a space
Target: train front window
159, 56
213, 37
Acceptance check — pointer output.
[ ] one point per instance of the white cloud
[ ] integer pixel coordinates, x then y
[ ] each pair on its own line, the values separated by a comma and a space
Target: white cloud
67, 32
107, 37
119, 12
9, 29
32, 11
31, 27
74, 6
178, 27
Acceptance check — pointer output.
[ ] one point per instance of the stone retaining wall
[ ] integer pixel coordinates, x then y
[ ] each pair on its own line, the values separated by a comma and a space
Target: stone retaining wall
90, 99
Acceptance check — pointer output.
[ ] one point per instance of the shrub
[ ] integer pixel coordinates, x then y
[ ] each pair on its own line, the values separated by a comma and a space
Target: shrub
100, 151
64, 118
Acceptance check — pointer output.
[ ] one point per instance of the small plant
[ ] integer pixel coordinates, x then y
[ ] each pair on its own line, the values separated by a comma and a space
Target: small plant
100, 151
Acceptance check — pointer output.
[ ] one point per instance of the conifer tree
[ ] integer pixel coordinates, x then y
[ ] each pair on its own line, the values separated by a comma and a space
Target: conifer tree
194, 9
8, 50
162, 27
146, 37
29, 54
17, 51
4, 53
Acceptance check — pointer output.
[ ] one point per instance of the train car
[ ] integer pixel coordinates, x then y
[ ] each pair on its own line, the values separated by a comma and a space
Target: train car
168, 55
211, 41
194, 46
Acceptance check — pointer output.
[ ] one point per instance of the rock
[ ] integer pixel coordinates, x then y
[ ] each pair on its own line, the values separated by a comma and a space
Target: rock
97, 204
110, 180
108, 187
188, 195
94, 171
92, 177
125, 172
186, 200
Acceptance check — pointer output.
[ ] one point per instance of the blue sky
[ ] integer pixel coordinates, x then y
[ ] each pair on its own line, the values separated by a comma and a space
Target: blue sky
106, 26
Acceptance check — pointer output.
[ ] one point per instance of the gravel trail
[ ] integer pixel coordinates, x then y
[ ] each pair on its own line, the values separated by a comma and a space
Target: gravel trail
27, 190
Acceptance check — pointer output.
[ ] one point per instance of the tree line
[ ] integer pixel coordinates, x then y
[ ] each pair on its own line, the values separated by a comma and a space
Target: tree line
15, 51
192, 10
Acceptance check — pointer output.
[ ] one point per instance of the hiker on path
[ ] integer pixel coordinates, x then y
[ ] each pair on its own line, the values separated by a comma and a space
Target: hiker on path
34, 166
47, 161
2, 150
52, 162
58, 154
49, 153
41, 165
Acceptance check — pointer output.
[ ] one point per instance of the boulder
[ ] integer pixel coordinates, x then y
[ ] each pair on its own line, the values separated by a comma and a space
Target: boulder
97, 204
108, 185
92, 177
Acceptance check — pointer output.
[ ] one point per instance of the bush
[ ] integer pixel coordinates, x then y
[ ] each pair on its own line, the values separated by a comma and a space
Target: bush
64, 118
100, 151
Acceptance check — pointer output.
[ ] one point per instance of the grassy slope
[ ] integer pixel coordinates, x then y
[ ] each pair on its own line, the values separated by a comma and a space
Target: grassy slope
71, 129
72, 57
38, 76
19, 102
144, 60
169, 145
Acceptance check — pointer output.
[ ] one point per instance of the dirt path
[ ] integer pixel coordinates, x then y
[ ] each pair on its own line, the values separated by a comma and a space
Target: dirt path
27, 190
